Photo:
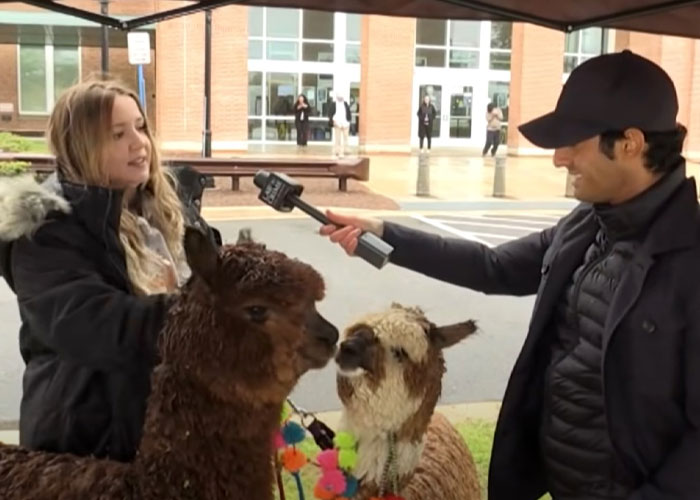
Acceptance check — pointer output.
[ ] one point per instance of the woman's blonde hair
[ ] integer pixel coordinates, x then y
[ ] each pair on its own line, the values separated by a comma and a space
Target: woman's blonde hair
78, 128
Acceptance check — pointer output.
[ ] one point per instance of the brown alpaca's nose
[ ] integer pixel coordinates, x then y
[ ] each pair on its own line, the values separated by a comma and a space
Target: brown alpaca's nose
323, 330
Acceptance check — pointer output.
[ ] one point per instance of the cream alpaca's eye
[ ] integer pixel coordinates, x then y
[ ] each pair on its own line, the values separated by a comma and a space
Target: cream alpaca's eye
399, 354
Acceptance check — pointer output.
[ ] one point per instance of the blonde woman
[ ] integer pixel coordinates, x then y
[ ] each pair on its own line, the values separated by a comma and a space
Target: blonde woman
93, 255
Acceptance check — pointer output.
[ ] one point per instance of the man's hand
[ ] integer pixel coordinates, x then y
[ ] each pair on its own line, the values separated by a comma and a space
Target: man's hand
347, 236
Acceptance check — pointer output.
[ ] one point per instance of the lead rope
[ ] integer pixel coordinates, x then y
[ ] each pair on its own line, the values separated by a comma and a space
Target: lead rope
390, 473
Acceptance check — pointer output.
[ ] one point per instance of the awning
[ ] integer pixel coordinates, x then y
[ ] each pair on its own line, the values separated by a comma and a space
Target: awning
58, 29
672, 17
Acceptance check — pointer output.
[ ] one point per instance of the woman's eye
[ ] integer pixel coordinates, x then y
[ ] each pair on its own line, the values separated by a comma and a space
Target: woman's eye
257, 313
118, 135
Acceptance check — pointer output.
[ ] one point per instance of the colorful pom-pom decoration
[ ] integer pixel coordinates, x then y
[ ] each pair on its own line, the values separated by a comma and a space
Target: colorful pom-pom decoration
286, 412
347, 459
328, 459
278, 440
344, 440
293, 433
323, 494
333, 480
351, 487
293, 460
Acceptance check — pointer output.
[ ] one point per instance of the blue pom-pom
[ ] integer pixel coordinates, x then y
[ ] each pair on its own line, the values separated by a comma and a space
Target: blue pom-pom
351, 488
293, 433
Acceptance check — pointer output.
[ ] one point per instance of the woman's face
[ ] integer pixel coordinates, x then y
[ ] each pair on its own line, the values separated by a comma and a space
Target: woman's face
300, 99
426, 100
126, 155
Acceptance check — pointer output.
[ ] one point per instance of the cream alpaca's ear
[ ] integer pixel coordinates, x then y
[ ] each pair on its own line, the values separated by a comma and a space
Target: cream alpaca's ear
449, 335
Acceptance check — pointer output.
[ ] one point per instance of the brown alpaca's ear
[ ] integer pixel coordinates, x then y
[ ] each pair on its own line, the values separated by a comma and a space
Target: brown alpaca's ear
202, 255
447, 336
245, 235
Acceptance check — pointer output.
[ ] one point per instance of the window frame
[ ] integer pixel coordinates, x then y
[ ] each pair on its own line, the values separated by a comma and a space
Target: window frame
49, 78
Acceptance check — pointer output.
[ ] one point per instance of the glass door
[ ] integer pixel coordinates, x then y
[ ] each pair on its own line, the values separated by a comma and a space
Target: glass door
454, 106
460, 113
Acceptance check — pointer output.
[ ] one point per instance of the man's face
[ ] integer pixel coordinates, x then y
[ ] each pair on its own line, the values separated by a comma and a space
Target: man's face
597, 178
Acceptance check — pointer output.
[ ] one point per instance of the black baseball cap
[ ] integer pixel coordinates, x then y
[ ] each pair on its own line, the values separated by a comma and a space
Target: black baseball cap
610, 92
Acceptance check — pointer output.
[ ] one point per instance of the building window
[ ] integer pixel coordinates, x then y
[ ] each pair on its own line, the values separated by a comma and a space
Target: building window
438, 39
353, 36
290, 34
501, 44
274, 121
458, 44
582, 45
45, 71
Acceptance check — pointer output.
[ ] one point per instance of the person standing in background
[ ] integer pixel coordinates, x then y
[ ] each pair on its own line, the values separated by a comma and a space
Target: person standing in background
494, 116
339, 117
301, 119
426, 116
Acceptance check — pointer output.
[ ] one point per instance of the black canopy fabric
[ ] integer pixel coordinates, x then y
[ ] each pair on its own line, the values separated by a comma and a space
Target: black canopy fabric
672, 17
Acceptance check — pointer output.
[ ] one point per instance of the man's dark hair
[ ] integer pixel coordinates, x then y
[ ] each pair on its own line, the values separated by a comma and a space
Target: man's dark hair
489, 107
664, 149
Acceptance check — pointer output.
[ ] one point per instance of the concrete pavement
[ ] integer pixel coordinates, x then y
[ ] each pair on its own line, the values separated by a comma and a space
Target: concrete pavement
459, 179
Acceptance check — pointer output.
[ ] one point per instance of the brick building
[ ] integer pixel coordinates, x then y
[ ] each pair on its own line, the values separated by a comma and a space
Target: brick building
264, 57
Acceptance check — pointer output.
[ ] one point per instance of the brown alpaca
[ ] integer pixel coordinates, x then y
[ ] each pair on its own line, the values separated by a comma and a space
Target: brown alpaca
389, 381
237, 339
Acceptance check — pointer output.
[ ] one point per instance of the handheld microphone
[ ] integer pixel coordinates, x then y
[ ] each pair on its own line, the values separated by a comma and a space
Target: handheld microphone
283, 194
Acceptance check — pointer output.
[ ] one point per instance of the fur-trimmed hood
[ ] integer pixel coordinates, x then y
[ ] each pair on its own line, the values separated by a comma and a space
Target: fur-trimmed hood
25, 204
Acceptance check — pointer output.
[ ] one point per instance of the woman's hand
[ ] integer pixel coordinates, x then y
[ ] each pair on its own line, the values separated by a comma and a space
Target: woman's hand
346, 229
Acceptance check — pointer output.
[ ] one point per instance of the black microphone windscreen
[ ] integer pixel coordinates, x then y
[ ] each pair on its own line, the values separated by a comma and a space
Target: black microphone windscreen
260, 178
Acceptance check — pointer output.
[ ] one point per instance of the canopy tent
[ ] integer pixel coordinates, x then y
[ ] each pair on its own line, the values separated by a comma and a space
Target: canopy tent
672, 17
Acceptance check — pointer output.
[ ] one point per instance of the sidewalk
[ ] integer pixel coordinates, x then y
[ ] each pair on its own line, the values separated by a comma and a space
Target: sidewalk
455, 413
456, 177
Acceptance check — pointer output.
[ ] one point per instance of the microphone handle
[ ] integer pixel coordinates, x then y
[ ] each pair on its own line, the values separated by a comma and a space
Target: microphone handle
309, 209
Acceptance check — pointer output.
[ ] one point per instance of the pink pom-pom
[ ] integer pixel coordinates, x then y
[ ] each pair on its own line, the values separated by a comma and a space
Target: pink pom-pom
278, 440
333, 480
328, 459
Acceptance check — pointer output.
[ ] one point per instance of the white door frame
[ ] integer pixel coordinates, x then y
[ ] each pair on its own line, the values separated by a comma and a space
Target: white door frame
452, 81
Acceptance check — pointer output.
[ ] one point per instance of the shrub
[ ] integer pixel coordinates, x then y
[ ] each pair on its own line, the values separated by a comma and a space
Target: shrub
8, 168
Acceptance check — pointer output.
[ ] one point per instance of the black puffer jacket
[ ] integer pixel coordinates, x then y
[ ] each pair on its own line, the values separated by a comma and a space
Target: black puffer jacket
579, 455
88, 342
576, 444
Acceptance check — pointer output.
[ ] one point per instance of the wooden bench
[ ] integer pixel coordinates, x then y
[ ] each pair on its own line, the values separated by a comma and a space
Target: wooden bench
235, 168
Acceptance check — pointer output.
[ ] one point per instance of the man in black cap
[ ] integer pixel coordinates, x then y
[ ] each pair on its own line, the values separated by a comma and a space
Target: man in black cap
604, 399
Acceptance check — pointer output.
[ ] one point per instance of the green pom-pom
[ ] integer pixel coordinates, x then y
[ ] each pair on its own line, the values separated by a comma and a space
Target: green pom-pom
286, 412
347, 459
344, 440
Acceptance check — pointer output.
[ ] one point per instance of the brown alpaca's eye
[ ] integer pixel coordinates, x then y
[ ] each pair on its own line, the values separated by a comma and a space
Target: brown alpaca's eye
399, 354
258, 314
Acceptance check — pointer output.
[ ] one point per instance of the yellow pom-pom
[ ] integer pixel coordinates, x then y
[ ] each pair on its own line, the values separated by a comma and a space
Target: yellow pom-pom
347, 459
286, 412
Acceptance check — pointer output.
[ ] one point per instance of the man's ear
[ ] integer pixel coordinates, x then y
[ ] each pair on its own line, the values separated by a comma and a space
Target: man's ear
202, 255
